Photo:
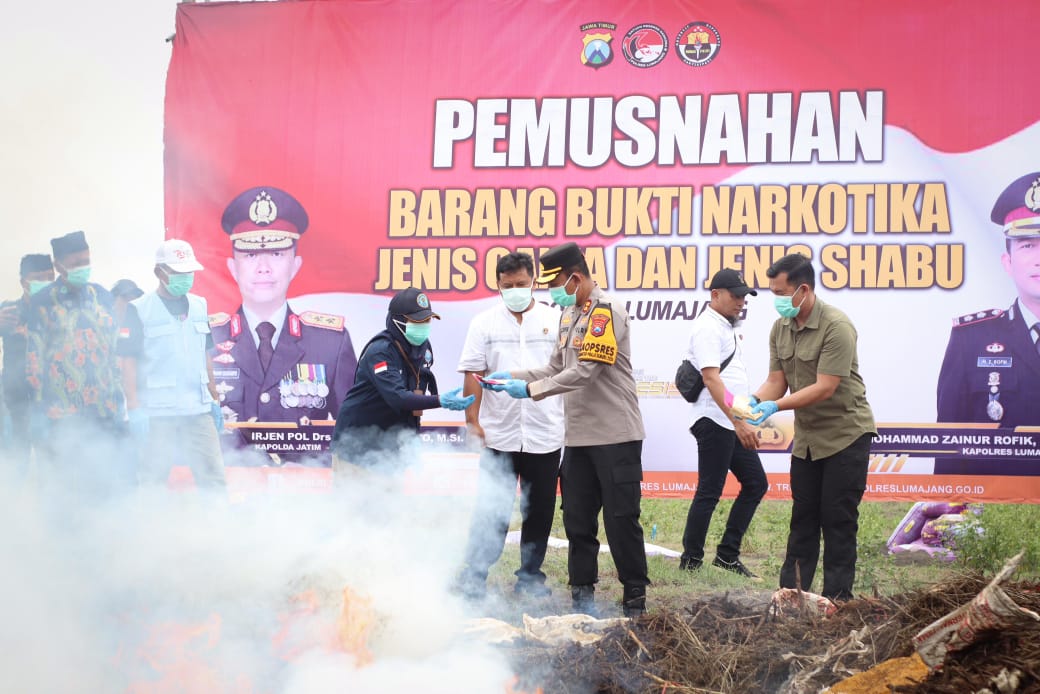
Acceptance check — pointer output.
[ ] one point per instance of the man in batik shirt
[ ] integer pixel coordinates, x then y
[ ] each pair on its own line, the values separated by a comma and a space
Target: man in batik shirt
72, 371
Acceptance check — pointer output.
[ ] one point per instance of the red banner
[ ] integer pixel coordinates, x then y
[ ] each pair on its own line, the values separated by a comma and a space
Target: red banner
422, 140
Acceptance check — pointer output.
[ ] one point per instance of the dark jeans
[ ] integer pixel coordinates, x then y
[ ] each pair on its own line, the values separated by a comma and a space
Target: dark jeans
718, 452
603, 477
826, 495
499, 472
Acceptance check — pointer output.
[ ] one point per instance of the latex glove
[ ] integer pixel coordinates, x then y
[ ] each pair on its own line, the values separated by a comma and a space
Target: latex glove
500, 375
514, 387
137, 423
764, 410
455, 401
218, 416
752, 400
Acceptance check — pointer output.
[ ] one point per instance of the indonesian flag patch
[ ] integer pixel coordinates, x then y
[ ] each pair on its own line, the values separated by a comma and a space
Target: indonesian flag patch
124, 332
380, 367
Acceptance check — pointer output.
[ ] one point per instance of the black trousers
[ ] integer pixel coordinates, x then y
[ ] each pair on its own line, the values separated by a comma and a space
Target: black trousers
499, 472
603, 477
719, 452
826, 496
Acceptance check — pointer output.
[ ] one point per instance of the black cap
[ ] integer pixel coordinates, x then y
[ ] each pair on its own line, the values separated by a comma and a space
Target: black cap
126, 289
264, 218
554, 260
733, 281
70, 243
35, 262
412, 304
1017, 209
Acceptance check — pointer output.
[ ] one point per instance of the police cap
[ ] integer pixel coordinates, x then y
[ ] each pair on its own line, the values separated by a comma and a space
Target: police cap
412, 304
35, 262
70, 243
264, 218
557, 259
1018, 208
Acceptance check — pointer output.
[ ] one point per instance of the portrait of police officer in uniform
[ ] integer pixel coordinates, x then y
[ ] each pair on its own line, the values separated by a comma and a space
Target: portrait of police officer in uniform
991, 371
272, 364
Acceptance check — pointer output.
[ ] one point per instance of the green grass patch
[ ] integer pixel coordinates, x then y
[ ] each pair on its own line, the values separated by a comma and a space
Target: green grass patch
1005, 530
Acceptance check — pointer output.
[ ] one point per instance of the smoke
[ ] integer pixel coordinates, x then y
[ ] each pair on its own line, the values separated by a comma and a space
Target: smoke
153, 590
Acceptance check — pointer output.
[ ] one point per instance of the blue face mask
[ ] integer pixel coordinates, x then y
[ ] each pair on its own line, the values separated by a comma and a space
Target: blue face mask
785, 307
78, 276
36, 285
180, 284
560, 296
416, 333
517, 299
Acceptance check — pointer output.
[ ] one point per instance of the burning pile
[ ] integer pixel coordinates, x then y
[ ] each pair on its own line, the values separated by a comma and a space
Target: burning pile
721, 644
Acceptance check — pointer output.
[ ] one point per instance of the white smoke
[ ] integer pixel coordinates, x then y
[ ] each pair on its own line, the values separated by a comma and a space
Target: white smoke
189, 592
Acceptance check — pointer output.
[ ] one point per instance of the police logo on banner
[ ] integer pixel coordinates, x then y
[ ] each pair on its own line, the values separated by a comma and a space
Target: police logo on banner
645, 45
698, 43
263, 210
596, 51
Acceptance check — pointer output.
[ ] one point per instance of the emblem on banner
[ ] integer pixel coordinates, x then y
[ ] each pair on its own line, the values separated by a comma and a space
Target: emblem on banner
1033, 196
595, 50
645, 45
263, 210
223, 389
698, 44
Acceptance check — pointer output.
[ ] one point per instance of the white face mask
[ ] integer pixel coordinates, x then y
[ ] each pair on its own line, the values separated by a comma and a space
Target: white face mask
517, 299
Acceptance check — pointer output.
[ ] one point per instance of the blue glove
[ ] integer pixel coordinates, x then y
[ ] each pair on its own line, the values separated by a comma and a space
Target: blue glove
455, 401
500, 376
137, 423
764, 410
218, 416
514, 387
752, 400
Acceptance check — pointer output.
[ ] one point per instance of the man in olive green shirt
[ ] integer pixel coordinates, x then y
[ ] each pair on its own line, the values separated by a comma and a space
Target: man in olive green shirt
813, 370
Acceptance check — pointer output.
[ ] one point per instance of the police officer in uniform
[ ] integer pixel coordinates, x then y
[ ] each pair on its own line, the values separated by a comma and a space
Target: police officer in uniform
272, 364
602, 460
991, 371
36, 271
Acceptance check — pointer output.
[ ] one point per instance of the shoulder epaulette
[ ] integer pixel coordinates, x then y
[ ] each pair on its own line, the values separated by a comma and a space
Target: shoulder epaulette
978, 317
322, 320
218, 319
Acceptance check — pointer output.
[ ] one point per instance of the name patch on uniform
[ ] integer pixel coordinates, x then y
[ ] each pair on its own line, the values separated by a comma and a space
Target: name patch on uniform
380, 367
226, 373
599, 344
994, 362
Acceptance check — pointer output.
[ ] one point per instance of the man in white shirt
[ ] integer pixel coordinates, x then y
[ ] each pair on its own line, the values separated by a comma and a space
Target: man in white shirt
522, 438
724, 442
